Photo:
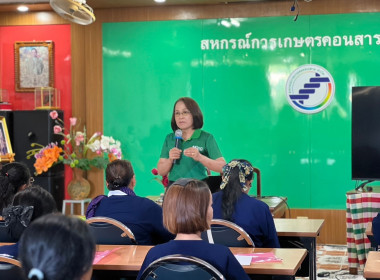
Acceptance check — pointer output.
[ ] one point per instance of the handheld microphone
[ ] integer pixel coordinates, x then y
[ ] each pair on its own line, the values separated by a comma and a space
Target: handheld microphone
178, 137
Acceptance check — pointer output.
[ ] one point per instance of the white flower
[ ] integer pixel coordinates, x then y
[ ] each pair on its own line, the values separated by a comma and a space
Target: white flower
94, 146
106, 143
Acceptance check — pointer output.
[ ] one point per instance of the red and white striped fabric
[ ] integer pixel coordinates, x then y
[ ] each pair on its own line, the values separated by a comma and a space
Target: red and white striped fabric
361, 209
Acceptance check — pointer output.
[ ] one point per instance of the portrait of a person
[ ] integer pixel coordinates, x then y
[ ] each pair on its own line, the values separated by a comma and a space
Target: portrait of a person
34, 66
3, 142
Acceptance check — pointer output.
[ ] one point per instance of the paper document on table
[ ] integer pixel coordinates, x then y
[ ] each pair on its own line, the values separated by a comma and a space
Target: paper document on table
244, 260
262, 257
101, 255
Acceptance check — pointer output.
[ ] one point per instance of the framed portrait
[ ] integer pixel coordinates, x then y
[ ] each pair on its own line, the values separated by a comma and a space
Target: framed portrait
6, 153
34, 65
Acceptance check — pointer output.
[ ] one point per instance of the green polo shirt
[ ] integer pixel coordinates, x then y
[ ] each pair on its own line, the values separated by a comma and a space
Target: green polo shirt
186, 167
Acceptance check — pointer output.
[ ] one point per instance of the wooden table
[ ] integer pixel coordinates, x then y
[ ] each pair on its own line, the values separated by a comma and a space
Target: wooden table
129, 258
6, 243
306, 230
277, 204
372, 265
299, 227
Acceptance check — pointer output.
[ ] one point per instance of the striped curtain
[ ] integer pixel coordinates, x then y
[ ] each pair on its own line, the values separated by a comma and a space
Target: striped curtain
361, 209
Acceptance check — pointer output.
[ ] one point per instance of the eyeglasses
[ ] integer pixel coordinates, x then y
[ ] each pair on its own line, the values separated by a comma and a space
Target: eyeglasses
184, 113
31, 181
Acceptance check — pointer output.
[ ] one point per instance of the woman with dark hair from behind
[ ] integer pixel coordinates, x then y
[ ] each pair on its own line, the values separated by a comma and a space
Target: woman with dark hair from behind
57, 247
187, 212
234, 204
27, 205
141, 215
14, 177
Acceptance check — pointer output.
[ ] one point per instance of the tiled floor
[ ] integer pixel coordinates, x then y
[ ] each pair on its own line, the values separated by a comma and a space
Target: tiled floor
333, 260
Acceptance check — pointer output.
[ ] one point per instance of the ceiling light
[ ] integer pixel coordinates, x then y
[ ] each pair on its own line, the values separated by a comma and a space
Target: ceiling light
22, 8
235, 22
160, 1
226, 23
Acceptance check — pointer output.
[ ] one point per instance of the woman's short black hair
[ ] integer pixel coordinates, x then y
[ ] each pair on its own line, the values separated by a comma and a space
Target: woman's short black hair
119, 173
13, 176
59, 246
40, 199
194, 109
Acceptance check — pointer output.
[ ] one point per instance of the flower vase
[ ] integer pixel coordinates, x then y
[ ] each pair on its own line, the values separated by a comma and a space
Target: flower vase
79, 187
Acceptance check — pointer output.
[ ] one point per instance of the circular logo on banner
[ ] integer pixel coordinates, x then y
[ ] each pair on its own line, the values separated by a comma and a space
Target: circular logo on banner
310, 89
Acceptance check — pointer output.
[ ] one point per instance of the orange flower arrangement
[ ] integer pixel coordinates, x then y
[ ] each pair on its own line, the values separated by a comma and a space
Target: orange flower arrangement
47, 157
74, 148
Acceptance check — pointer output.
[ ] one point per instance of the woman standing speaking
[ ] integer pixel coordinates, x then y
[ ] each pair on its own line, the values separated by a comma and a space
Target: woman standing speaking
194, 151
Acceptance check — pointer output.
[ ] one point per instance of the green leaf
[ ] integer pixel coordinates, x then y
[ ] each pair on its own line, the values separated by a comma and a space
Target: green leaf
83, 163
99, 162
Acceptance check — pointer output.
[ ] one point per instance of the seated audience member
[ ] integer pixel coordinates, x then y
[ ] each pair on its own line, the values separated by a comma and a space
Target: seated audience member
187, 212
233, 203
57, 247
27, 205
14, 177
376, 229
141, 215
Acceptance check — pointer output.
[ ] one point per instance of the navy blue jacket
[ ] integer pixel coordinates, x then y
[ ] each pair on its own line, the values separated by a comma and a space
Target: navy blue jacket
253, 216
376, 228
141, 215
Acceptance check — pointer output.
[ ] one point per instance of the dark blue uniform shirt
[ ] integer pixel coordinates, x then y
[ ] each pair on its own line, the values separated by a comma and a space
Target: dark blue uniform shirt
253, 216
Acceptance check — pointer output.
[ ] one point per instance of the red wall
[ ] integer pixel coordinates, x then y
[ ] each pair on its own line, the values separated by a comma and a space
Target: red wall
61, 36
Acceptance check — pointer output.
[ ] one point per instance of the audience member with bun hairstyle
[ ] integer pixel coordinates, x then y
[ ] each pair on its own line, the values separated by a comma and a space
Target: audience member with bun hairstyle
27, 205
187, 212
14, 177
234, 204
140, 214
57, 247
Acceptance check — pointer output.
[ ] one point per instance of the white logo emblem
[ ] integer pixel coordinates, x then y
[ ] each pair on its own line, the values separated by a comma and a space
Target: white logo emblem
310, 89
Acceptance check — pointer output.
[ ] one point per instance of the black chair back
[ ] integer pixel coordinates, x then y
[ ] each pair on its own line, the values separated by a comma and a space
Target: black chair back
182, 267
228, 234
10, 269
109, 231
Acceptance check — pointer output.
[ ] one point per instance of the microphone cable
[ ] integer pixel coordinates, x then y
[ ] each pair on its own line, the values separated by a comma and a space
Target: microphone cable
295, 7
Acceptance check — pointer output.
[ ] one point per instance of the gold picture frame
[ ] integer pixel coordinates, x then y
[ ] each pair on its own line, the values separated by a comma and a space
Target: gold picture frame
6, 152
34, 65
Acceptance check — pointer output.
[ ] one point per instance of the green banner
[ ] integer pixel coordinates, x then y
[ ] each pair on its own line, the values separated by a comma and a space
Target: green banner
237, 70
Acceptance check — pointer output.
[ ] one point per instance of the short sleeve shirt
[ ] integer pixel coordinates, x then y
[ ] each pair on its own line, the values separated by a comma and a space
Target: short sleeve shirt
186, 167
